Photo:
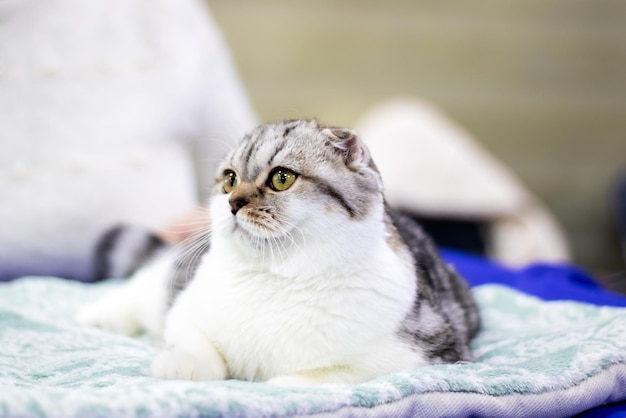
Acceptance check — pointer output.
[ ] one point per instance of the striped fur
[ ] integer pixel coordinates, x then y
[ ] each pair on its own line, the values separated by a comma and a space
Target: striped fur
314, 282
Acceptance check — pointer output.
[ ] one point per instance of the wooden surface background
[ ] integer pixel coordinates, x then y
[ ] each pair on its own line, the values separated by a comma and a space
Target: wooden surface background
540, 83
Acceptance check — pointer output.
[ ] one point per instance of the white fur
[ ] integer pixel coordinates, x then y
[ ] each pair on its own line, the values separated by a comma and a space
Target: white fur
298, 312
309, 311
139, 305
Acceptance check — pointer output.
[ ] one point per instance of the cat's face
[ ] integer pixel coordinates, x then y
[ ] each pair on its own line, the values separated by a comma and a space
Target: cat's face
290, 182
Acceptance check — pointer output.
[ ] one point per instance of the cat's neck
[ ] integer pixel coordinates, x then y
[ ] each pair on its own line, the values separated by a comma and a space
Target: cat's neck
342, 247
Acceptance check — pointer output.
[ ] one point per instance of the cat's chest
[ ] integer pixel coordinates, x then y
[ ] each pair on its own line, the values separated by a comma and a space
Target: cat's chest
284, 322
264, 326
258, 305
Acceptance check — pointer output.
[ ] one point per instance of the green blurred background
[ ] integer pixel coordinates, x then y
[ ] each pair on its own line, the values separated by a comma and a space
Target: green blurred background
540, 83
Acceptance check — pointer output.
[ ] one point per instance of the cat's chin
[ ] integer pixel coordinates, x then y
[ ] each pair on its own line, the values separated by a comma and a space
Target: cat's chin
259, 240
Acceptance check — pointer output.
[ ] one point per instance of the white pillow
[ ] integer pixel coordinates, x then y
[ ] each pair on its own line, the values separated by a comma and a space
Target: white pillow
104, 106
432, 167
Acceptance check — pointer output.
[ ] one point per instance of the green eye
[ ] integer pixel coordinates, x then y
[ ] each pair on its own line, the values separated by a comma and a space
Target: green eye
230, 181
282, 179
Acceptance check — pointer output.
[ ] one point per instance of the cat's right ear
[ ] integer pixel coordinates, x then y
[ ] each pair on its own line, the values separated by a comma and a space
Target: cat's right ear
347, 141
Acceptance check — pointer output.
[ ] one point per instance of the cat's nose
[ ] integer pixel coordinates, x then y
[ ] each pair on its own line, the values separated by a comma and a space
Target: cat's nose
236, 204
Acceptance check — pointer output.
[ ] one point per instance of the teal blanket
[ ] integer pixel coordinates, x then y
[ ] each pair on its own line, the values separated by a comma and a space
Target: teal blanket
533, 358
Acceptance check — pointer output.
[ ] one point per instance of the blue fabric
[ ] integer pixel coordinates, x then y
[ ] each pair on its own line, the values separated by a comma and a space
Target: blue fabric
546, 281
617, 410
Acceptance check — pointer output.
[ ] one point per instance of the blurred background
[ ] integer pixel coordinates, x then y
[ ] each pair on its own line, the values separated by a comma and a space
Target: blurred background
540, 83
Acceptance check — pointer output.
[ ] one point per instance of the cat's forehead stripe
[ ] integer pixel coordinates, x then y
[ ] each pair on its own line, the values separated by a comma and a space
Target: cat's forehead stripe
248, 150
290, 126
262, 145
278, 149
288, 129
265, 149
243, 159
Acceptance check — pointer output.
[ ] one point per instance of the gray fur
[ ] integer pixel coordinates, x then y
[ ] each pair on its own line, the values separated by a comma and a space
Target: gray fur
443, 294
443, 318
123, 249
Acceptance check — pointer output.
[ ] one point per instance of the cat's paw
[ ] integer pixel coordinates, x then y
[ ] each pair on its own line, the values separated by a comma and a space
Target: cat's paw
175, 364
109, 314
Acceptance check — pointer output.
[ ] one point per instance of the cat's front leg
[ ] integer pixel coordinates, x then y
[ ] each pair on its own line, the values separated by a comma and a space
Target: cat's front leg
116, 312
190, 356
139, 305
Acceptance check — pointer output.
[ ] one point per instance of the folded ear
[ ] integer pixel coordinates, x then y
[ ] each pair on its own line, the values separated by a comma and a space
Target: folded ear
355, 153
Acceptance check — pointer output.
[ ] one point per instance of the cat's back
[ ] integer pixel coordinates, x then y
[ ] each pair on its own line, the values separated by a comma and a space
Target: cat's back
443, 298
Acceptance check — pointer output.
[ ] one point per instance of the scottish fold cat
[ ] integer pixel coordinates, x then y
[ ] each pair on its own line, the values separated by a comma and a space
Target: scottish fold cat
306, 276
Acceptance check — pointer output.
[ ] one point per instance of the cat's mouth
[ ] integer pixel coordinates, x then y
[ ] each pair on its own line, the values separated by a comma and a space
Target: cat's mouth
258, 231
254, 226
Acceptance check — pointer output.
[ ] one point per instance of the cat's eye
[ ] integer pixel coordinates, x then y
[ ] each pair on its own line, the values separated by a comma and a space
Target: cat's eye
230, 181
281, 179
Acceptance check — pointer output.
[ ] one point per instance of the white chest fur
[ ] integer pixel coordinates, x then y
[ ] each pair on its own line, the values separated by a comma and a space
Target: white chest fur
266, 324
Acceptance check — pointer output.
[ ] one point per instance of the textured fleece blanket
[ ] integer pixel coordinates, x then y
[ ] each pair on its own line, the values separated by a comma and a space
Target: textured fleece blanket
533, 358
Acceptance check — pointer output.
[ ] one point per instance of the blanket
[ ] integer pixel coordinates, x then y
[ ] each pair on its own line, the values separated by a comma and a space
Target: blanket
533, 358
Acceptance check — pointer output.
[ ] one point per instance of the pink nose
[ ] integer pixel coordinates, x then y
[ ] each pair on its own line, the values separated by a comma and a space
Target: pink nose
236, 204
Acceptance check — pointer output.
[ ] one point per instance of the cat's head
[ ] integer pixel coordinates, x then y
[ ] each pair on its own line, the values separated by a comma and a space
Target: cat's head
292, 181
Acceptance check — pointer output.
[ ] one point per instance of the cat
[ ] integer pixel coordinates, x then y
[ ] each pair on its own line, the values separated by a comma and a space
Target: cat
306, 277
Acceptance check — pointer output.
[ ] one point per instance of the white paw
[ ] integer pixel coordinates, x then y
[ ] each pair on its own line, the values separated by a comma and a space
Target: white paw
111, 315
179, 365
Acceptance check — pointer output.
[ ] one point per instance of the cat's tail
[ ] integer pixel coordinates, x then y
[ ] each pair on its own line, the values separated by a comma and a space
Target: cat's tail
123, 249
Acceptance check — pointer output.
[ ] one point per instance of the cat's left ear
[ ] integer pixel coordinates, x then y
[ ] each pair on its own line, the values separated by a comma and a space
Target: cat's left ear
354, 151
